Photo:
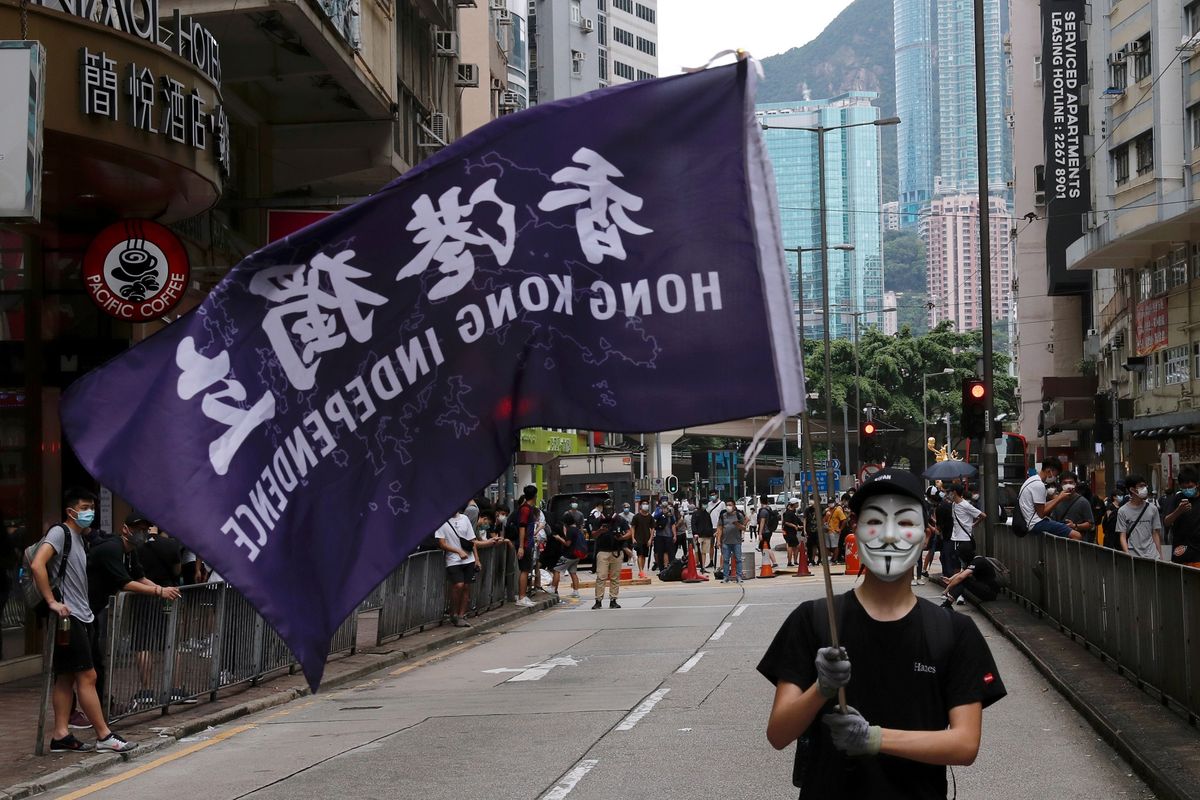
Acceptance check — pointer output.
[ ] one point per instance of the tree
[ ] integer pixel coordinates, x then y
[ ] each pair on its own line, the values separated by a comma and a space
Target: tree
904, 272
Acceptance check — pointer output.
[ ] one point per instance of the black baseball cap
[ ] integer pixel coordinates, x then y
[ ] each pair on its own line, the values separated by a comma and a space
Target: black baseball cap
889, 481
135, 517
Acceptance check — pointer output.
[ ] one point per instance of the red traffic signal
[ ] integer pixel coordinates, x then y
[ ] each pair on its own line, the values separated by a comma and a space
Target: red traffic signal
974, 408
869, 429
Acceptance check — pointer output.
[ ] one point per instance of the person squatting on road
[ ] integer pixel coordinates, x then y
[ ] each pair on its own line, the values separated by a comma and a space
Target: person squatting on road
917, 677
611, 537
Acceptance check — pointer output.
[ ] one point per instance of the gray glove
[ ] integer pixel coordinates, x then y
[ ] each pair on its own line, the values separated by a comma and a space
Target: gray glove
833, 670
851, 734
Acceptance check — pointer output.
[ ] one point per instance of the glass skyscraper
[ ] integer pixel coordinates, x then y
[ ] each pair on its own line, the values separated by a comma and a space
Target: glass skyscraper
935, 100
854, 202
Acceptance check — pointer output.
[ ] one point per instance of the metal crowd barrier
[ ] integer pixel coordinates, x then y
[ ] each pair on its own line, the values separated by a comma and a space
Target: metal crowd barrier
1140, 614
12, 610
160, 653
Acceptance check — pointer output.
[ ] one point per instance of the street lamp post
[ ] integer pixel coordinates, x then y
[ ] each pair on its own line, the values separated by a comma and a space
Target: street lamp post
857, 391
925, 414
820, 131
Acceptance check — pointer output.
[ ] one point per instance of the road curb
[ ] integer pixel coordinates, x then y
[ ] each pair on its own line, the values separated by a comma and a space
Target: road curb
1159, 781
169, 736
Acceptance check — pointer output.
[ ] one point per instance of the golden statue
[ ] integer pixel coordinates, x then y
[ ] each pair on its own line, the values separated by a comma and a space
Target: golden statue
942, 453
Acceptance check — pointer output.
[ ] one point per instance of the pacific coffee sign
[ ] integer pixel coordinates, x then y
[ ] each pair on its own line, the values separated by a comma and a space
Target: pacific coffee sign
136, 270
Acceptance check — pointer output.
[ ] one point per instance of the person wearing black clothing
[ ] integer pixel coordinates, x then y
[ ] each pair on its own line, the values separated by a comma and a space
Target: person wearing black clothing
810, 535
916, 677
612, 535
978, 577
1076, 509
161, 557
792, 530
1111, 538
702, 531
1182, 517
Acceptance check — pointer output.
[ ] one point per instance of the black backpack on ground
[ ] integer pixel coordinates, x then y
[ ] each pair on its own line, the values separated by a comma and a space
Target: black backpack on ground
672, 572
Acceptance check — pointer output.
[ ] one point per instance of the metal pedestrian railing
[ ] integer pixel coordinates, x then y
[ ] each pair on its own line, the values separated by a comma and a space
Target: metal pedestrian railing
12, 608
1142, 615
159, 653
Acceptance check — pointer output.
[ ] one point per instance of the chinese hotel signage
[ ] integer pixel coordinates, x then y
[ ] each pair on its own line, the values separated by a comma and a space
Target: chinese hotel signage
1150, 326
159, 104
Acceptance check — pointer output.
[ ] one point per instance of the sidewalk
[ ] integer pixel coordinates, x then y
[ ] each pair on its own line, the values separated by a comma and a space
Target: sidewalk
1159, 745
23, 774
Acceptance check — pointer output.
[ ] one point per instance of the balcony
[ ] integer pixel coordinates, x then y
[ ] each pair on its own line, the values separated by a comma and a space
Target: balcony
318, 76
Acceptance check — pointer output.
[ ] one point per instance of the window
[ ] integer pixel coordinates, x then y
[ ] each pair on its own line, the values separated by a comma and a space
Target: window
576, 12
1118, 75
1037, 70
1194, 125
1195, 275
1144, 145
642, 75
623, 70
1175, 361
624, 5
1179, 266
623, 36
1150, 378
1196, 358
601, 5
602, 60
646, 46
602, 30
1144, 281
1120, 165
1142, 63
1191, 18
577, 63
1158, 277
645, 13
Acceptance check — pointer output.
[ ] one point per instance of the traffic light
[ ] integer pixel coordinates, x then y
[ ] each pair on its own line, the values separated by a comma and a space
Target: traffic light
974, 408
869, 429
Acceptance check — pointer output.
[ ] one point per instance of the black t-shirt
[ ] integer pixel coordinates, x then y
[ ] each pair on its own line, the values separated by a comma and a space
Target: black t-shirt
1186, 529
792, 523
943, 516
895, 684
161, 559
109, 568
606, 531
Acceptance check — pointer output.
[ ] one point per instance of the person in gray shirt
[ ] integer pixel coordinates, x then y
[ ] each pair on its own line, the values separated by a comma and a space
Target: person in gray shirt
78, 646
1074, 509
1138, 522
731, 523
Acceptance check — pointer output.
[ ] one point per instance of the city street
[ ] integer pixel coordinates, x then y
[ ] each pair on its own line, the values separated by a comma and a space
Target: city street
657, 699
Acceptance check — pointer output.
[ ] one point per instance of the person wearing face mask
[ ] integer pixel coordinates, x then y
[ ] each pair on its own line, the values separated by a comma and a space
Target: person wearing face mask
1036, 500
714, 507
1075, 510
916, 677
1139, 523
643, 529
732, 524
67, 599
626, 514
1111, 505
1183, 518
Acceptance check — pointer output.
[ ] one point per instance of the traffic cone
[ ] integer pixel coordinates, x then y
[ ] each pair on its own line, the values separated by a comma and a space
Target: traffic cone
768, 569
802, 564
690, 574
853, 565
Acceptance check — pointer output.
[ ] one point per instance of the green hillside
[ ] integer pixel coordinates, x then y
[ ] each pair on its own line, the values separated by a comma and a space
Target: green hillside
854, 53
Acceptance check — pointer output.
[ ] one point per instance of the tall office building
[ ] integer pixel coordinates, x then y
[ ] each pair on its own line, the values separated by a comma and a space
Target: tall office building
576, 46
935, 99
853, 197
952, 247
916, 104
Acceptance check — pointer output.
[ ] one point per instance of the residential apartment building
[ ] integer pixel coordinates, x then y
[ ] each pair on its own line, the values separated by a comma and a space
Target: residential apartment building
854, 205
1140, 242
576, 46
951, 231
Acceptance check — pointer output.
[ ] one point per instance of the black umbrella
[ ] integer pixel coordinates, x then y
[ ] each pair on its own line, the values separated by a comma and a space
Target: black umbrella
950, 470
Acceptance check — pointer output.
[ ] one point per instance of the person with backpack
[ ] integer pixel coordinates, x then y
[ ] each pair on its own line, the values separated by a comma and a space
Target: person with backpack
612, 537
916, 677
981, 576
732, 524
1034, 504
1075, 510
519, 531
702, 531
960, 547
768, 523
572, 548
1139, 523
61, 554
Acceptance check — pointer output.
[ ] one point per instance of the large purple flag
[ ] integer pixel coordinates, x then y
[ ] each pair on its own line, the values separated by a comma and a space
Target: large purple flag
610, 262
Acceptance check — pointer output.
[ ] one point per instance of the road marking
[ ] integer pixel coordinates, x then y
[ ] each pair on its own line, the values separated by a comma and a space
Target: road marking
691, 662
501, 670
737, 612
564, 787
636, 716
158, 762
539, 671
720, 631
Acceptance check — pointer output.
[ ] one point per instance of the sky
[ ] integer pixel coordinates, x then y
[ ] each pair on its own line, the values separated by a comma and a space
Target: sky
692, 31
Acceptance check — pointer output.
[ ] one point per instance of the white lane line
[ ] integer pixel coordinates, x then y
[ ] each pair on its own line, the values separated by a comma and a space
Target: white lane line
737, 612
720, 631
636, 716
691, 662
564, 787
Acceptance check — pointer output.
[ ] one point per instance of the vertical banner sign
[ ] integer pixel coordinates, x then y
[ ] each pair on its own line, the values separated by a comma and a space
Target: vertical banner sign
345, 389
1068, 198
1150, 326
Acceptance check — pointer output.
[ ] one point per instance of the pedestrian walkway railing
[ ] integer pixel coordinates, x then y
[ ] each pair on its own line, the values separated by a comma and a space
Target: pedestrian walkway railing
12, 610
414, 596
1143, 616
158, 653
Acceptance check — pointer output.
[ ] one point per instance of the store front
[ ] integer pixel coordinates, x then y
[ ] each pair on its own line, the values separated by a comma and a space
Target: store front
135, 141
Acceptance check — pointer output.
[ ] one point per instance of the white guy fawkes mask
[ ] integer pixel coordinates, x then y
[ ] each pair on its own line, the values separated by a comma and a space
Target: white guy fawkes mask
891, 535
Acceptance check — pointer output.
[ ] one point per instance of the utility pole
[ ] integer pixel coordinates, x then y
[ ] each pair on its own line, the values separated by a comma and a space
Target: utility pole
988, 461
